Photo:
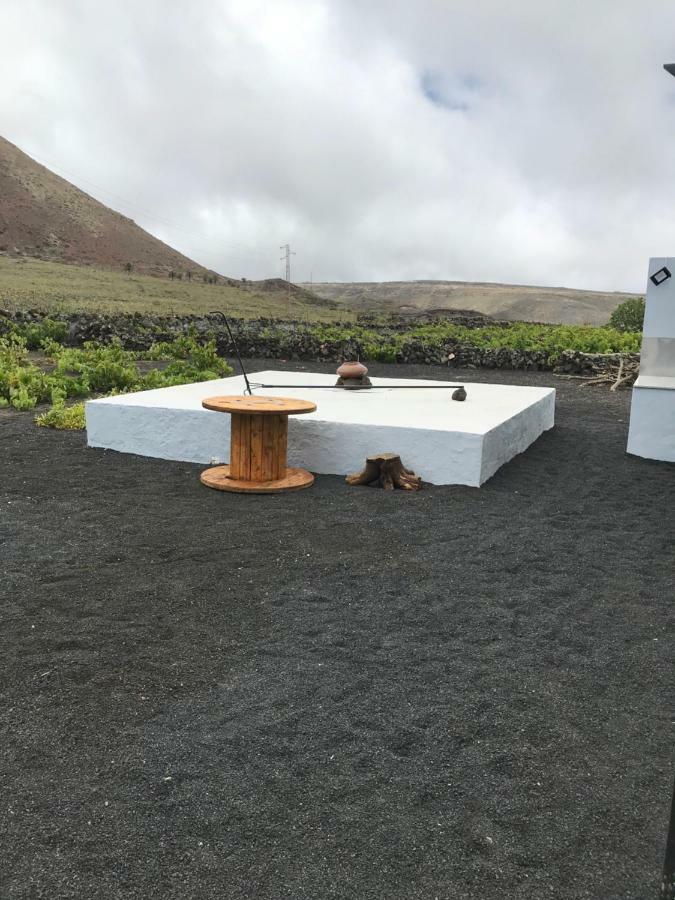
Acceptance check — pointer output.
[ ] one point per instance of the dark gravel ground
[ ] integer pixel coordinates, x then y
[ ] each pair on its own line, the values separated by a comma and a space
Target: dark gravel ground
340, 692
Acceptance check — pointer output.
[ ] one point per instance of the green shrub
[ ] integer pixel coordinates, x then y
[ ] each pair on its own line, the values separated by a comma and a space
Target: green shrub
196, 356
100, 370
629, 315
63, 417
22, 384
383, 343
190, 361
22, 398
36, 333
95, 369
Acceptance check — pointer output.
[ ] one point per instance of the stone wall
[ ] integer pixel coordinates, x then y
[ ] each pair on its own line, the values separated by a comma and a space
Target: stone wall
274, 339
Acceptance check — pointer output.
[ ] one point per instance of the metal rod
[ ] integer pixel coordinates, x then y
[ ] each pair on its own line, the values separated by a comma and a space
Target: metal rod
217, 312
369, 387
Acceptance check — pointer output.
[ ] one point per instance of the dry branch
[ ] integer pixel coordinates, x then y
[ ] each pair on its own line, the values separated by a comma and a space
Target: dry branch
624, 372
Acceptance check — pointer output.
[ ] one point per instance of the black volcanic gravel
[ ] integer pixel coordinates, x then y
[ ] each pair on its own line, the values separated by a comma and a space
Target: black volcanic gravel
339, 692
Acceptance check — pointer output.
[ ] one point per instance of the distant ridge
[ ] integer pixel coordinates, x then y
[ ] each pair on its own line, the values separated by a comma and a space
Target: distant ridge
502, 301
44, 216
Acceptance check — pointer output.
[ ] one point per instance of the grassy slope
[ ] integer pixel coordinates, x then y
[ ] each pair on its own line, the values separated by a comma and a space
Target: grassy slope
31, 283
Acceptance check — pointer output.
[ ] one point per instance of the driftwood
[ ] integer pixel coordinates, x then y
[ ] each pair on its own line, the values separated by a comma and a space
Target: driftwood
388, 471
625, 374
608, 371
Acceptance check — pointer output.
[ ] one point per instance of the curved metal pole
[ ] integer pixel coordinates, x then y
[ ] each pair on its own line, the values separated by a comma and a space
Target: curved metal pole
368, 387
217, 312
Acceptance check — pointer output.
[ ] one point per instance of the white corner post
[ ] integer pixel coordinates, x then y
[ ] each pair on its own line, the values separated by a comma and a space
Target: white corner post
652, 416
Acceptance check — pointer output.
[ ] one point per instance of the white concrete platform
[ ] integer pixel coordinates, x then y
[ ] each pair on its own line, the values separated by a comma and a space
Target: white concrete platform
652, 418
652, 413
444, 441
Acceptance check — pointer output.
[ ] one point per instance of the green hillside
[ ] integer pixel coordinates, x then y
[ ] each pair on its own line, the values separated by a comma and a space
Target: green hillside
59, 287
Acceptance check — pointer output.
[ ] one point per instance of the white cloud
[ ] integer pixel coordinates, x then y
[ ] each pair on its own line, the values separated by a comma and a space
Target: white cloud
383, 139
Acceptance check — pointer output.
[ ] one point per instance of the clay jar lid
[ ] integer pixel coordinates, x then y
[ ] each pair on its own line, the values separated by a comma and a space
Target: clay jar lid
352, 369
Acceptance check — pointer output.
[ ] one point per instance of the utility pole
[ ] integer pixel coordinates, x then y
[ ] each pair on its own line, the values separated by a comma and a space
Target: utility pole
311, 287
287, 256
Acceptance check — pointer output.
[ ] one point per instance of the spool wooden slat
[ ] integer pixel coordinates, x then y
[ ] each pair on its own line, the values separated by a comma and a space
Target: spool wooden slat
282, 443
235, 446
271, 466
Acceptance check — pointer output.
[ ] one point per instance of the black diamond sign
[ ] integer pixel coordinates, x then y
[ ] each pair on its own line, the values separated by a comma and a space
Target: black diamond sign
659, 277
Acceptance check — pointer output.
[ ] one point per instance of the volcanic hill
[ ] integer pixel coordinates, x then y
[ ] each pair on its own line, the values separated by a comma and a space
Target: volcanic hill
44, 216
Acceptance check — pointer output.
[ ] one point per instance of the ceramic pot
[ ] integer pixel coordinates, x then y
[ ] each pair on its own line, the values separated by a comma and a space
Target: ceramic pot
352, 369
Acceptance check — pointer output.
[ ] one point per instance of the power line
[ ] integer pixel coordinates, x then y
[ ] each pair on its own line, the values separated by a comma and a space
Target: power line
239, 249
132, 204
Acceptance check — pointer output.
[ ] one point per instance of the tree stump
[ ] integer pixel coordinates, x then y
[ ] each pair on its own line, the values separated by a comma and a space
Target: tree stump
388, 471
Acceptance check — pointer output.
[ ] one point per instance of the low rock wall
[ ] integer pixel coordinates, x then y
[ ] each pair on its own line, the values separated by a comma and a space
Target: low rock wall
274, 339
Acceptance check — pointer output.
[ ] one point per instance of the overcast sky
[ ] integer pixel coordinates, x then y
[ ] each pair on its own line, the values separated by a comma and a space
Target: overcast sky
529, 142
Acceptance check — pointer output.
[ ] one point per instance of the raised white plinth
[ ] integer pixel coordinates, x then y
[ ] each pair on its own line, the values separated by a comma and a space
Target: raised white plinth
652, 414
652, 418
444, 441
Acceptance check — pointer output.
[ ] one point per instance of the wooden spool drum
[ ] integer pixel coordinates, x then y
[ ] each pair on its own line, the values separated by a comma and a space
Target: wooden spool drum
258, 445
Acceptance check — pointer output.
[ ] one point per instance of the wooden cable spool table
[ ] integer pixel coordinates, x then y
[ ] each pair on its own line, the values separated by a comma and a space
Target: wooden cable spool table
258, 445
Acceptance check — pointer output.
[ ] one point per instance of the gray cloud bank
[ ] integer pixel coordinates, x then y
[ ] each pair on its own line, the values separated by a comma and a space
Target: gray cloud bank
529, 142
